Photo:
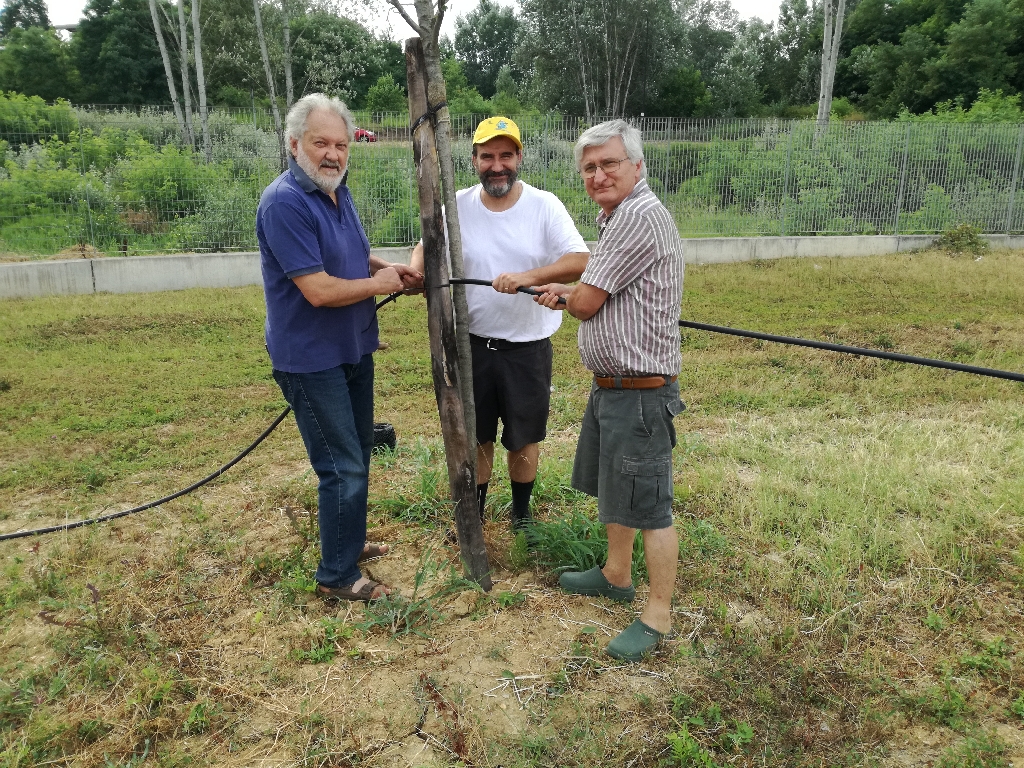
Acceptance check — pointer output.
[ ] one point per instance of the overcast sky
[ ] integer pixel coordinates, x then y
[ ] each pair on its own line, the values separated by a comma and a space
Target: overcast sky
70, 11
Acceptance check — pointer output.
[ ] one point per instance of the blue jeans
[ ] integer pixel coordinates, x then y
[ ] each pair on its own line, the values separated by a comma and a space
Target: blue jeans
334, 413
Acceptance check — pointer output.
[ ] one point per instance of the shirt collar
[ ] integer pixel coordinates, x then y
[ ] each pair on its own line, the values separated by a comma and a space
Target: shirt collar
638, 189
307, 184
301, 176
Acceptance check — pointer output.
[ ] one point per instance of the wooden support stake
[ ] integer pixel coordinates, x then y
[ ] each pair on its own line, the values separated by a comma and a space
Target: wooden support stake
444, 355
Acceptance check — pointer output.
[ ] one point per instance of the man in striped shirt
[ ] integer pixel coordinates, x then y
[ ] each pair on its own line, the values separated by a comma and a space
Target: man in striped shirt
628, 301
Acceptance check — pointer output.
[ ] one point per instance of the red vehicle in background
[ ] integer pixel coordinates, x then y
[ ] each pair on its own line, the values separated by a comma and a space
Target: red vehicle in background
363, 134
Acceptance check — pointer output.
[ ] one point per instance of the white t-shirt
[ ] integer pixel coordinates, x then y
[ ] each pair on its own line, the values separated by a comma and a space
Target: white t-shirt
535, 232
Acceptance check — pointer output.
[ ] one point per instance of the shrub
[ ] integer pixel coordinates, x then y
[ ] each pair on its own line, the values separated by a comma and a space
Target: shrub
963, 238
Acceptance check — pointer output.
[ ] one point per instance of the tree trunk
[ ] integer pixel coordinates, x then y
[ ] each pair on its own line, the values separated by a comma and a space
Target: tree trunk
168, 71
186, 80
445, 354
436, 97
289, 87
204, 117
831, 36
270, 84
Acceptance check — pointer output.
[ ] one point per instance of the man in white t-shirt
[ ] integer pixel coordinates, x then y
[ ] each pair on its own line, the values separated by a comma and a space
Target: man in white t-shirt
514, 235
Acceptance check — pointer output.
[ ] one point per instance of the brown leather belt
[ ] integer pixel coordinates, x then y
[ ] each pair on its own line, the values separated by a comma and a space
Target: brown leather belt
633, 382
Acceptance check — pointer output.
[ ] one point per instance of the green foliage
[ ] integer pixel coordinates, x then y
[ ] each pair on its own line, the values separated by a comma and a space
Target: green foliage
325, 647
386, 96
989, 107
992, 659
23, 118
116, 54
963, 238
687, 752
22, 14
463, 99
683, 93
400, 616
1017, 707
485, 43
35, 62
986, 750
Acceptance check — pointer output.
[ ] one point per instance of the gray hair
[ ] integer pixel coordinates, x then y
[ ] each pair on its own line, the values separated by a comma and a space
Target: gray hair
298, 115
602, 133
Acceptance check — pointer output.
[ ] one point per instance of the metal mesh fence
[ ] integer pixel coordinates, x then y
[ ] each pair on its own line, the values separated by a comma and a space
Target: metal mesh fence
77, 181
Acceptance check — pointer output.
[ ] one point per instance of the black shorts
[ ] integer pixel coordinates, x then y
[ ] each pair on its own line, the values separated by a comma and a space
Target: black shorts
511, 381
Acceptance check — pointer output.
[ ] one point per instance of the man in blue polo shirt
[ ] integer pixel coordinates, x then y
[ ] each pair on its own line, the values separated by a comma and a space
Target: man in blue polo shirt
319, 281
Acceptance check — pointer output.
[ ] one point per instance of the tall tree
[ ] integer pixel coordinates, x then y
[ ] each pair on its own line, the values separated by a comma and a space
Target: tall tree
833, 33
486, 39
186, 77
22, 14
116, 54
270, 83
588, 52
35, 62
204, 117
168, 72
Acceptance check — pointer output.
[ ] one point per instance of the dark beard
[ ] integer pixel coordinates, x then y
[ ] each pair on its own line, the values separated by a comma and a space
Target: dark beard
498, 184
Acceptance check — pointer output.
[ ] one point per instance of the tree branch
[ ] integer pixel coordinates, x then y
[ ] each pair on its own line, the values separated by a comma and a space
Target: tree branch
398, 7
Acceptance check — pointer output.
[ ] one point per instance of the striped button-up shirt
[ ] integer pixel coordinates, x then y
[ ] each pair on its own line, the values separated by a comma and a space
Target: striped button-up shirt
639, 262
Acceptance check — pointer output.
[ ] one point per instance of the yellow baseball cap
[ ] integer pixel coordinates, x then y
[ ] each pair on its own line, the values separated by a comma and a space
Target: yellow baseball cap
493, 127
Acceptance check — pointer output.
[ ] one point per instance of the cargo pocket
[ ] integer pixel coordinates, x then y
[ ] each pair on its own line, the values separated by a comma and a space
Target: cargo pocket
646, 485
675, 406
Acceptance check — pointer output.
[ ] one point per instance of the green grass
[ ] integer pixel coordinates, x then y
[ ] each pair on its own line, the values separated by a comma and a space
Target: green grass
851, 543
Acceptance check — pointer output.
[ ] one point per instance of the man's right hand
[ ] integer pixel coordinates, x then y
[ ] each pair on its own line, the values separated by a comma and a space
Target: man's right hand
551, 293
387, 281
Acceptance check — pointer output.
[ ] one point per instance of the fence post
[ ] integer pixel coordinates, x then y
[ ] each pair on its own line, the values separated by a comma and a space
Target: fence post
85, 181
903, 180
785, 180
256, 140
547, 156
1013, 184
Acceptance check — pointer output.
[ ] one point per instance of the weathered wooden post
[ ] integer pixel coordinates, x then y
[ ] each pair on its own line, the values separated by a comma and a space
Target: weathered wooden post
448, 366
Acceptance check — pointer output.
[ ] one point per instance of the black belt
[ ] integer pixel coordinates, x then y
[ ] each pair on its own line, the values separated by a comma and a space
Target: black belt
496, 344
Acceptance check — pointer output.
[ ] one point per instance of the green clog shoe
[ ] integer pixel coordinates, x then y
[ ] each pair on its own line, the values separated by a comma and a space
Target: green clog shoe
634, 643
594, 584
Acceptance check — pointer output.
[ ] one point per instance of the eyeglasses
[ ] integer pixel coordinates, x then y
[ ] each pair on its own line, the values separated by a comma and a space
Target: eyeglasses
609, 167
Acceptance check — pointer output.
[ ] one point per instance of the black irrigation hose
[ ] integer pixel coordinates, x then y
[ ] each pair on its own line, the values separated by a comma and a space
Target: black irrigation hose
93, 520
895, 356
900, 358
158, 502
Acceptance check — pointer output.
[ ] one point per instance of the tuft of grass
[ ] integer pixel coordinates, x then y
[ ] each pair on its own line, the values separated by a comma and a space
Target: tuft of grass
984, 750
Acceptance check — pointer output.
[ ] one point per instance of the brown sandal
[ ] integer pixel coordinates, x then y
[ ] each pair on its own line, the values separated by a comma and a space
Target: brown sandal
347, 593
373, 551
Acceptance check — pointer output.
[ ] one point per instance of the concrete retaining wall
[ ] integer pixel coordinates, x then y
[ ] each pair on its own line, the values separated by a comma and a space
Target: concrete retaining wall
144, 274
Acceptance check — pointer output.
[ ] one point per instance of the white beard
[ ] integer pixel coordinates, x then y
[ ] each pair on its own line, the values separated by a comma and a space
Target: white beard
327, 183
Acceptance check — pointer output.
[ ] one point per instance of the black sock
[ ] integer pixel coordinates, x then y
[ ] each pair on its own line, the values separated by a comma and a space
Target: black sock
521, 502
481, 497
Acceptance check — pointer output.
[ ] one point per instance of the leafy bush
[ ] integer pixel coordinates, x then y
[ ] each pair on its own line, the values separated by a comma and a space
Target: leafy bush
962, 239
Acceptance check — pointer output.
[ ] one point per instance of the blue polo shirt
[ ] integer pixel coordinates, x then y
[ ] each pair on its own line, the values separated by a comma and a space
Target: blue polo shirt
301, 231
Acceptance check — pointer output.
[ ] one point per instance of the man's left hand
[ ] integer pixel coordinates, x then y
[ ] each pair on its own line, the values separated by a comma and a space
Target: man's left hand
411, 278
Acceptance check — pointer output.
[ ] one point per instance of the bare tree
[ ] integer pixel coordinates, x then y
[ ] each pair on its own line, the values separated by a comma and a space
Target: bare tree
829, 56
271, 89
186, 79
204, 117
167, 68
